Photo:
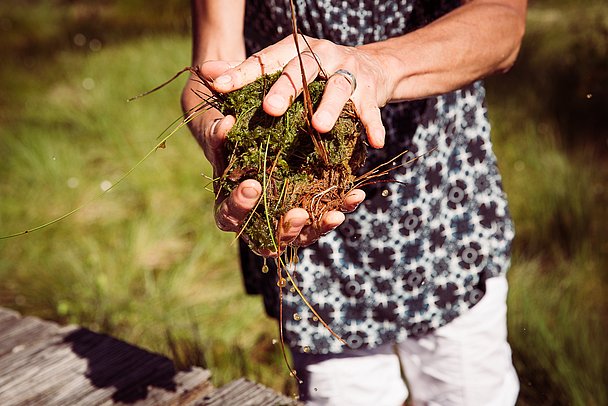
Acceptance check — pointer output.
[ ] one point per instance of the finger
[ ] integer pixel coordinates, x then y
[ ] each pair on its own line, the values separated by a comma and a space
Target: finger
248, 71
337, 92
215, 133
215, 137
212, 69
352, 200
289, 85
372, 121
235, 208
307, 236
331, 220
293, 221
264, 252
312, 233
269, 60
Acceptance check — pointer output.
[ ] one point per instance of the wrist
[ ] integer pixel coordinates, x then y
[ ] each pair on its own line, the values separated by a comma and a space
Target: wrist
391, 71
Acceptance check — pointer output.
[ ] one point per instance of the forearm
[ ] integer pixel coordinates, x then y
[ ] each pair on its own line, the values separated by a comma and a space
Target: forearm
217, 30
217, 34
475, 40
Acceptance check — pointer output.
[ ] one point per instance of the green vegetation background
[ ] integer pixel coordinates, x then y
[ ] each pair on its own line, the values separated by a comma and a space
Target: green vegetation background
146, 263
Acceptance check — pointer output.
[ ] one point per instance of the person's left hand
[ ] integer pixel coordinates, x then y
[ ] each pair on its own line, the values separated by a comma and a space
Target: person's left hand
373, 81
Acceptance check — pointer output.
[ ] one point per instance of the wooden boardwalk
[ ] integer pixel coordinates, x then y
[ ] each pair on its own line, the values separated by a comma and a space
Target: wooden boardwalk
42, 363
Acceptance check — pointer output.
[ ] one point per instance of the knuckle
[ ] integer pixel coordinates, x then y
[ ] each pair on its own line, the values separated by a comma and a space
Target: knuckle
287, 82
370, 112
323, 46
349, 58
232, 206
221, 225
341, 83
226, 222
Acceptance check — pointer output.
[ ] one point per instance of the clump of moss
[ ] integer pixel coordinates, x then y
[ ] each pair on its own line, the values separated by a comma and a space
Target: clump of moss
279, 152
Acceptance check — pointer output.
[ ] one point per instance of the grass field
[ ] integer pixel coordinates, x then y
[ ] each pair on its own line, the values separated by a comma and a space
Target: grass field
145, 261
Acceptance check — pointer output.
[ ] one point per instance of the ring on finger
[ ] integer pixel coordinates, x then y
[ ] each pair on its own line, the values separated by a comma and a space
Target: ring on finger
213, 128
348, 76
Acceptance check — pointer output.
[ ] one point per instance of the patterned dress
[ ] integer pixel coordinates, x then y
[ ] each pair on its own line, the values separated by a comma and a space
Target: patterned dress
418, 251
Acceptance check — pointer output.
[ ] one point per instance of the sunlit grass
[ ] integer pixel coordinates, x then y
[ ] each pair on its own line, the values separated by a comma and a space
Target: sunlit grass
557, 317
146, 263
550, 154
145, 260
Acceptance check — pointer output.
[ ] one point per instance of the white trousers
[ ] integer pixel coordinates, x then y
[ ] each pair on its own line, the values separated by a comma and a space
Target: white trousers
467, 362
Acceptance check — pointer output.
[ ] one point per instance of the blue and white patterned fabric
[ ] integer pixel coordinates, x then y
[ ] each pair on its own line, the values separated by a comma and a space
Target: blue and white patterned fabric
418, 251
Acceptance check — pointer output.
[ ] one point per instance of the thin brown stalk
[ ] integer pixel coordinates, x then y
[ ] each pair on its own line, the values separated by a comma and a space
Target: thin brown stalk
314, 134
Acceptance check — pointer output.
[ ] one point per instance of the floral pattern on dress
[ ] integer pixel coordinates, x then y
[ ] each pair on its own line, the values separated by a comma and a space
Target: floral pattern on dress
417, 252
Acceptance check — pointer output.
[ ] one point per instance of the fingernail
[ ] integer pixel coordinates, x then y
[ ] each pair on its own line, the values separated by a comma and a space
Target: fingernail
276, 101
380, 139
323, 118
250, 193
332, 220
357, 193
223, 80
298, 222
338, 217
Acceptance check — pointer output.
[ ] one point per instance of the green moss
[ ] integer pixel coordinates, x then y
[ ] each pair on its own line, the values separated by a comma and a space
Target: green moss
295, 171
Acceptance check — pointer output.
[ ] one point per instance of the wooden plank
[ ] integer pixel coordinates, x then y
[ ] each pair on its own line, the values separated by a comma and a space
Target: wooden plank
43, 364
132, 381
65, 390
42, 374
191, 385
243, 392
15, 363
187, 386
55, 370
24, 332
8, 314
127, 374
66, 377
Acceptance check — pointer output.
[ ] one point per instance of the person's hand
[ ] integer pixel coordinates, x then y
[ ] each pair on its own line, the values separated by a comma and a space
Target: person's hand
373, 87
296, 228
208, 125
210, 129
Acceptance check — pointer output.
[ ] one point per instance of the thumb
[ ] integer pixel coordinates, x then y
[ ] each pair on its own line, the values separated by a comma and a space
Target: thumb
215, 140
212, 69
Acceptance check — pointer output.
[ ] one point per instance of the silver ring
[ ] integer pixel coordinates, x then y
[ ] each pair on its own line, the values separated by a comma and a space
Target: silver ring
348, 76
214, 126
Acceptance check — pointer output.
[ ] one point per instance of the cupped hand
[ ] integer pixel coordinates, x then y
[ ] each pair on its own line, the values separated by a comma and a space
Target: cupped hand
373, 89
295, 228
210, 128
